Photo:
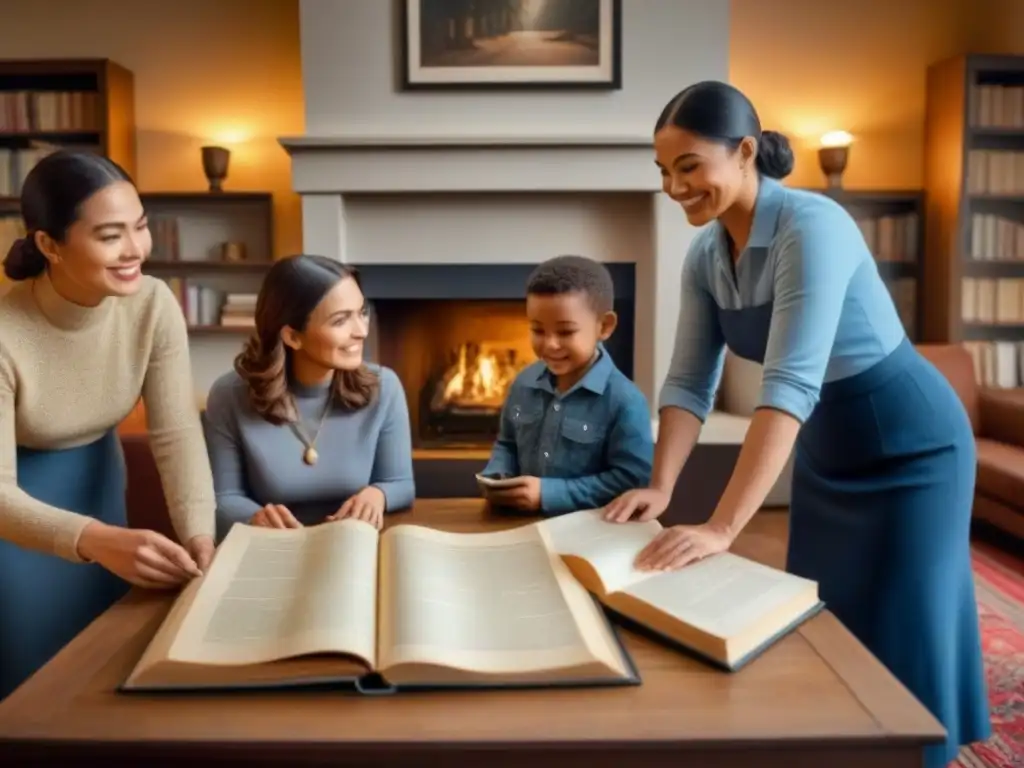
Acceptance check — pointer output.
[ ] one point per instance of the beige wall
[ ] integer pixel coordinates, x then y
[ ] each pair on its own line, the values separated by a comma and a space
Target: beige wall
858, 65
224, 71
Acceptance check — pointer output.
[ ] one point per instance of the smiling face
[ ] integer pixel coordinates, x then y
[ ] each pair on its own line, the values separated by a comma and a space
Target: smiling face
102, 251
705, 177
565, 331
334, 334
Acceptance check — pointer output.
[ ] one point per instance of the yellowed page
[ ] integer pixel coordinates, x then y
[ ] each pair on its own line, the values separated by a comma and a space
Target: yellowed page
492, 603
723, 595
277, 593
610, 548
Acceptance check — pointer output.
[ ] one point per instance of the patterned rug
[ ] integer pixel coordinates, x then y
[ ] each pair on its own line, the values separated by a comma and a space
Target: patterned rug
999, 580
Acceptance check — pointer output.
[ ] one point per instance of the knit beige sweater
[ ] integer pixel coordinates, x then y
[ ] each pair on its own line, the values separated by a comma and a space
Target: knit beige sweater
68, 374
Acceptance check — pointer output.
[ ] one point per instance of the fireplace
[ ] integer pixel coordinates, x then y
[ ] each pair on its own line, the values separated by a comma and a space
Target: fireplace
456, 359
457, 336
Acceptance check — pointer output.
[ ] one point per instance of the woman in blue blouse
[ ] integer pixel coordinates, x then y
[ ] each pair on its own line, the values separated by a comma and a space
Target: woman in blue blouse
884, 464
304, 431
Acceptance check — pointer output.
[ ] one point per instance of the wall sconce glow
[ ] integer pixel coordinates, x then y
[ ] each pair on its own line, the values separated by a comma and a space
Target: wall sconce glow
836, 139
230, 136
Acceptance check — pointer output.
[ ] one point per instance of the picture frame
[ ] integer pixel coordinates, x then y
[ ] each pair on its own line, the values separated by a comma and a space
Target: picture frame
511, 44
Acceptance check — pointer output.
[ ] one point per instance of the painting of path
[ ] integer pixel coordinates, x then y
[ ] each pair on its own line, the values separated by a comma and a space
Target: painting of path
509, 33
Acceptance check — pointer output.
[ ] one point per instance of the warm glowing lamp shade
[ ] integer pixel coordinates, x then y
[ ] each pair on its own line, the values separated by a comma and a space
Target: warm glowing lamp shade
833, 156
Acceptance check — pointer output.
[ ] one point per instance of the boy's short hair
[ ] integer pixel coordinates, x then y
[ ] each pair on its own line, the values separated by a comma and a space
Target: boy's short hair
574, 274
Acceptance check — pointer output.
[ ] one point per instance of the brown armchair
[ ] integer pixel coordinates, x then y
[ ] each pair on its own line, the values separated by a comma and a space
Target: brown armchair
145, 499
997, 416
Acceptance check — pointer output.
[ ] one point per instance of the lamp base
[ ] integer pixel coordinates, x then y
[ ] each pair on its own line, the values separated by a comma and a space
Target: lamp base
215, 166
832, 161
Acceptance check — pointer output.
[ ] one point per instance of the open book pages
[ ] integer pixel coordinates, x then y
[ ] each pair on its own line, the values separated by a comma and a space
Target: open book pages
492, 605
725, 607
421, 607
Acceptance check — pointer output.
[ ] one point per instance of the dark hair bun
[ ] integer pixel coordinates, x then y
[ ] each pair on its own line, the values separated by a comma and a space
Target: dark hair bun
24, 260
774, 155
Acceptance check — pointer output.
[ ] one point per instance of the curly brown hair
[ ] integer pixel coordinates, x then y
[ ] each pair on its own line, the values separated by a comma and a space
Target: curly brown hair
290, 292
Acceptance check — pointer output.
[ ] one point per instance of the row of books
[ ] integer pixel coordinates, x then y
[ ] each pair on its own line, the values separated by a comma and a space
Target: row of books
995, 172
15, 165
166, 237
996, 238
992, 300
206, 306
996, 106
998, 364
32, 111
891, 237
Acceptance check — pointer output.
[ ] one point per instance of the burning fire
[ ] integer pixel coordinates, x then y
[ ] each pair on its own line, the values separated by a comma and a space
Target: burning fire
479, 378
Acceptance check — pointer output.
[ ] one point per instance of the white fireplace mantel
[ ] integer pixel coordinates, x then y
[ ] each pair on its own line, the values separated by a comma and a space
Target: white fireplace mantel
353, 164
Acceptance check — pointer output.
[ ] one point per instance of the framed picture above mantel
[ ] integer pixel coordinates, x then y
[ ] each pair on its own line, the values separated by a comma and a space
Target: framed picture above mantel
511, 44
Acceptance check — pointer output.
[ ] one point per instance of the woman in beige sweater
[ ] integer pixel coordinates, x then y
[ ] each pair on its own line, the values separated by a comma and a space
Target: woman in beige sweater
82, 336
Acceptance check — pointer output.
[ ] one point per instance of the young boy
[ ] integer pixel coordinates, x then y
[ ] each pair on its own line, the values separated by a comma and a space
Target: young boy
575, 432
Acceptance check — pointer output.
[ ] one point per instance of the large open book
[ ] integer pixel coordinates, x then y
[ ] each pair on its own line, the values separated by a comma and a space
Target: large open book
412, 607
725, 608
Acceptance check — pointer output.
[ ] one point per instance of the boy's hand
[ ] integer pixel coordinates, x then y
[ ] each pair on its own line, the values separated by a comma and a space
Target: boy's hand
524, 495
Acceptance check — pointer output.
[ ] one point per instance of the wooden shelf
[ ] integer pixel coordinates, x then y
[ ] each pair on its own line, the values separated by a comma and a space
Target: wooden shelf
999, 133
993, 332
203, 267
219, 330
190, 232
112, 134
994, 269
201, 197
898, 270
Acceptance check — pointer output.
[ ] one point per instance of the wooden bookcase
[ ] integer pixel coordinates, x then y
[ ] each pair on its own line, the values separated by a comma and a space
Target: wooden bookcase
974, 238
70, 103
191, 232
217, 294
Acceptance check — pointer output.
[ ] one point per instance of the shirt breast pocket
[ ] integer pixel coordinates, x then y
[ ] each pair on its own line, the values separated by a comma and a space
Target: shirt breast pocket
527, 420
583, 440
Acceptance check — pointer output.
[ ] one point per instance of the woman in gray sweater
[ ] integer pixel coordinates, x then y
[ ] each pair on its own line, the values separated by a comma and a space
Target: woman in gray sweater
303, 430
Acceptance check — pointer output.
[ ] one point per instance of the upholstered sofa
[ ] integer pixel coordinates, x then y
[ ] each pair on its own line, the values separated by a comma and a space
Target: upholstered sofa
997, 416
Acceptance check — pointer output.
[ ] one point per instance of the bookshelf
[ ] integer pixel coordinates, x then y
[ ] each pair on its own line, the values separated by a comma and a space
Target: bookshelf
892, 224
45, 104
974, 239
216, 289
212, 249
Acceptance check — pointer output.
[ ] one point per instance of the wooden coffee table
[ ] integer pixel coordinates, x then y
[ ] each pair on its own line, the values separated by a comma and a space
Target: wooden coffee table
817, 698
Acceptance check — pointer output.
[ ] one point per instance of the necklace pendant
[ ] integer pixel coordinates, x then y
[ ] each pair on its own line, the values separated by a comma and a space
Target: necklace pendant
310, 456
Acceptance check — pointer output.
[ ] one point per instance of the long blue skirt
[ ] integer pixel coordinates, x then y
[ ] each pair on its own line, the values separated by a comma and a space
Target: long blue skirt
883, 482
44, 600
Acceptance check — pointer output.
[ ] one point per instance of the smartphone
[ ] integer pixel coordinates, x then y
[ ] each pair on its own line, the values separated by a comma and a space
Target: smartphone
499, 480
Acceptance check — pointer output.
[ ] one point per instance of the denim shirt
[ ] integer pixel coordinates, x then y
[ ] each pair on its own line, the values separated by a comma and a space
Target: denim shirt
814, 299
587, 445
